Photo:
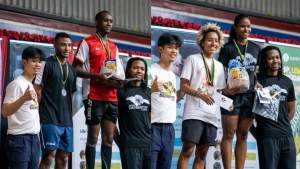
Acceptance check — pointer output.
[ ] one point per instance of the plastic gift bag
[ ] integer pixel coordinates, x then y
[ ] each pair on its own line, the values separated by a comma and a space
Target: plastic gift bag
267, 110
237, 76
115, 67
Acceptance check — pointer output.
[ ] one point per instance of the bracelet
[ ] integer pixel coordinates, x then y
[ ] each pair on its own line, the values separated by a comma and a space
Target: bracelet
198, 94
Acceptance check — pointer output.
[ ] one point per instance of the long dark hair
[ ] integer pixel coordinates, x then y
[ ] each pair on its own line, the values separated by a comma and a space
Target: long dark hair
238, 18
263, 66
144, 81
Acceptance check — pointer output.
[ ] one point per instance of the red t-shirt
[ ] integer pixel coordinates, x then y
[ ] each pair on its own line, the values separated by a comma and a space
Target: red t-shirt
92, 55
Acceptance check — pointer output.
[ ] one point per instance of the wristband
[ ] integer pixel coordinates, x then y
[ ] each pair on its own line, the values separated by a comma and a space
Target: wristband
198, 94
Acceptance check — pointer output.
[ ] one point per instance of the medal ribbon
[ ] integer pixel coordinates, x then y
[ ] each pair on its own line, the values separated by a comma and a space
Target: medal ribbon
241, 56
210, 74
107, 51
62, 71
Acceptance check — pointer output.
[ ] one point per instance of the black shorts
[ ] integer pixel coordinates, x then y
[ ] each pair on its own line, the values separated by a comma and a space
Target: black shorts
243, 105
136, 158
277, 153
199, 132
94, 110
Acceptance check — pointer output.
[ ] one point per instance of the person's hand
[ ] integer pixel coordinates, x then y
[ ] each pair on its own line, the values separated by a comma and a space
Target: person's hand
156, 85
119, 84
206, 98
103, 77
29, 94
231, 92
259, 86
231, 108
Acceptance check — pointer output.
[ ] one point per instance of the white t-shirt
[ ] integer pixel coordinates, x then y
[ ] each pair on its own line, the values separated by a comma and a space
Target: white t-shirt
194, 71
26, 120
163, 103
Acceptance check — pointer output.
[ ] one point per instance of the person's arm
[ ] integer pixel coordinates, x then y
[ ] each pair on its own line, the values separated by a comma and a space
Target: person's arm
10, 108
291, 109
180, 94
184, 87
86, 74
38, 81
38, 89
291, 101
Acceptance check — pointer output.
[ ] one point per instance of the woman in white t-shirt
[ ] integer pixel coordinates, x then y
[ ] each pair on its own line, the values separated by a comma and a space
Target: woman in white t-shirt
201, 76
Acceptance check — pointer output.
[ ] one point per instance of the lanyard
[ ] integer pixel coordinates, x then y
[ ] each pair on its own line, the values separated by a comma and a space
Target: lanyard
210, 75
107, 51
62, 72
241, 56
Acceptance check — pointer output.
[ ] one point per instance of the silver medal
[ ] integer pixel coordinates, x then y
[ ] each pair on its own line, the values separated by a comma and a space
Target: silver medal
210, 91
64, 92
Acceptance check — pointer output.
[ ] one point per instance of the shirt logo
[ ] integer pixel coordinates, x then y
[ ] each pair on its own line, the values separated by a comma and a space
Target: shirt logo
50, 144
249, 61
137, 101
169, 87
35, 104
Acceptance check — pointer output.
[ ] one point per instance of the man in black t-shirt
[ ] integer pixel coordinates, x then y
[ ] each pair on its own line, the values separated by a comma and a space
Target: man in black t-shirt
275, 142
134, 99
55, 85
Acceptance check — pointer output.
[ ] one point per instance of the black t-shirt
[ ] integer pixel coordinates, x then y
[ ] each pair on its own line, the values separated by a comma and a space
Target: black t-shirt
229, 51
134, 117
281, 128
54, 107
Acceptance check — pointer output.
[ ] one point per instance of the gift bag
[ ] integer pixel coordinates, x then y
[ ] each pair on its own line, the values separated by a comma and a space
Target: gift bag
115, 67
267, 110
237, 76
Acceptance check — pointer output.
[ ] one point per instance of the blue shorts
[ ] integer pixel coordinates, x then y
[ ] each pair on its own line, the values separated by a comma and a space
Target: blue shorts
23, 151
57, 137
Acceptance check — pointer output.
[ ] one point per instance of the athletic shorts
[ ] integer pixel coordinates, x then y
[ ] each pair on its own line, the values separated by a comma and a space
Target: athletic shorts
94, 110
56, 137
243, 105
199, 132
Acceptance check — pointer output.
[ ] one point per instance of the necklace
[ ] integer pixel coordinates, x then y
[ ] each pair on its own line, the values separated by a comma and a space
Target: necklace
63, 91
241, 56
107, 51
210, 74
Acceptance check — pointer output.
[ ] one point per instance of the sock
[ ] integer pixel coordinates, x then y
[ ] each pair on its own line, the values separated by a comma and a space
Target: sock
106, 156
90, 155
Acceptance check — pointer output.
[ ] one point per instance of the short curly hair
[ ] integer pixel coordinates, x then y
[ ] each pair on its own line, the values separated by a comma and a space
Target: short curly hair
209, 27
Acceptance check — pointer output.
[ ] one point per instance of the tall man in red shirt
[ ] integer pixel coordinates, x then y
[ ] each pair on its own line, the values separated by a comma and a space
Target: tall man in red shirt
99, 92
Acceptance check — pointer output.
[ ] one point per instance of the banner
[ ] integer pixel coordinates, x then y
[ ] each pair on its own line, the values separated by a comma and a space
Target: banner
189, 47
291, 68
